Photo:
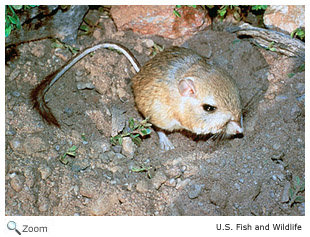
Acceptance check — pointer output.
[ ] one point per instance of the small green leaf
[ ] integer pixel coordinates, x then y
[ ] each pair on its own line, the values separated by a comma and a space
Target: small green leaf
18, 26
84, 28
302, 187
145, 132
178, 6
12, 19
83, 137
290, 75
236, 41
136, 140
57, 45
297, 180
8, 30
301, 68
291, 193
176, 13
64, 160
17, 7
300, 199
131, 123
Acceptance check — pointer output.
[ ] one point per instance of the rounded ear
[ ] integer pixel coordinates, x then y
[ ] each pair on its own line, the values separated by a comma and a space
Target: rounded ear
186, 87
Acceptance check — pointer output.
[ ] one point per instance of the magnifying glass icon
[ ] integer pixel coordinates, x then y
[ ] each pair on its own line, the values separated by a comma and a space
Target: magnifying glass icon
12, 226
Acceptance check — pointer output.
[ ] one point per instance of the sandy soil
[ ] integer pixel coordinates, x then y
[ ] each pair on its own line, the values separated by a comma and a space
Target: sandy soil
248, 176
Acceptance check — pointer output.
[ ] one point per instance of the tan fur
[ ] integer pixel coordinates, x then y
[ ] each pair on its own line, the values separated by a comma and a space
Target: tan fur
156, 92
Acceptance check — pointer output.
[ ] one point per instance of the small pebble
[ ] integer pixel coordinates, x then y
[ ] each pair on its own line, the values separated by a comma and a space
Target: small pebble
117, 148
16, 93
276, 146
128, 147
10, 132
142, 186
17, 183
195, 190
45, 171
15, 144
57, 147
87, 85
182, 184
159, 179
285, 192
68, 111
237, 186
281, 98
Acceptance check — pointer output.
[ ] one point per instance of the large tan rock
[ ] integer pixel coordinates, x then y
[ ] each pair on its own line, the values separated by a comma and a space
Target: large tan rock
160, 20
287, 18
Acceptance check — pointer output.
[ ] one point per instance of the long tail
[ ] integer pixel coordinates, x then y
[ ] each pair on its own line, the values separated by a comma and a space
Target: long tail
37, 93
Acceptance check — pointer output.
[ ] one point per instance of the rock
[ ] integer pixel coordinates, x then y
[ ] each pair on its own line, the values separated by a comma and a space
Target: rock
14, 74
33, 145
45, 171
15, 144
89, 187
281, 98
159, 179
16, 93
142, 186
63, 54
195, 190
171, 182
287, 18
86, 85
101, 121
218, 195
118, 120
79, 165
148, 42
104, 204
68, 111
117, 148
80, 72
43, 204
174, 172
182, 183
128, 147
38, 50
17, 183
160, 20
29, 174
101, 145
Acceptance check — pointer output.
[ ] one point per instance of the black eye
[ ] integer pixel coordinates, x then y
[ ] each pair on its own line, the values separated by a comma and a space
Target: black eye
208, 108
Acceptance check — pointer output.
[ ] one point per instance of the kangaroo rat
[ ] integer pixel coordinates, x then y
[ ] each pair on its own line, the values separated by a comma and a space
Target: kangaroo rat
178, 89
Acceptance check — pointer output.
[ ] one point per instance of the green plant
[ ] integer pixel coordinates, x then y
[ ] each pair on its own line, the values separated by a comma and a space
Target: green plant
259, 7
300, 33
135, 130
270, 47
70, 152
224, 8
296, 187
11, 19
156, 49
58, 44
144, 169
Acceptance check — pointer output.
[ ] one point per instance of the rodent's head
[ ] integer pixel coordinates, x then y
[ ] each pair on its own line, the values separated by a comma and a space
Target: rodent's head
210, 103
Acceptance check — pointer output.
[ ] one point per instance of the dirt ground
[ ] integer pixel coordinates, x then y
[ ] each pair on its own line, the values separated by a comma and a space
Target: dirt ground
248, 176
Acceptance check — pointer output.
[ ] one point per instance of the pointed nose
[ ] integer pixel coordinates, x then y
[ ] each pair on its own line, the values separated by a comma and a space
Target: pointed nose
235, 128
